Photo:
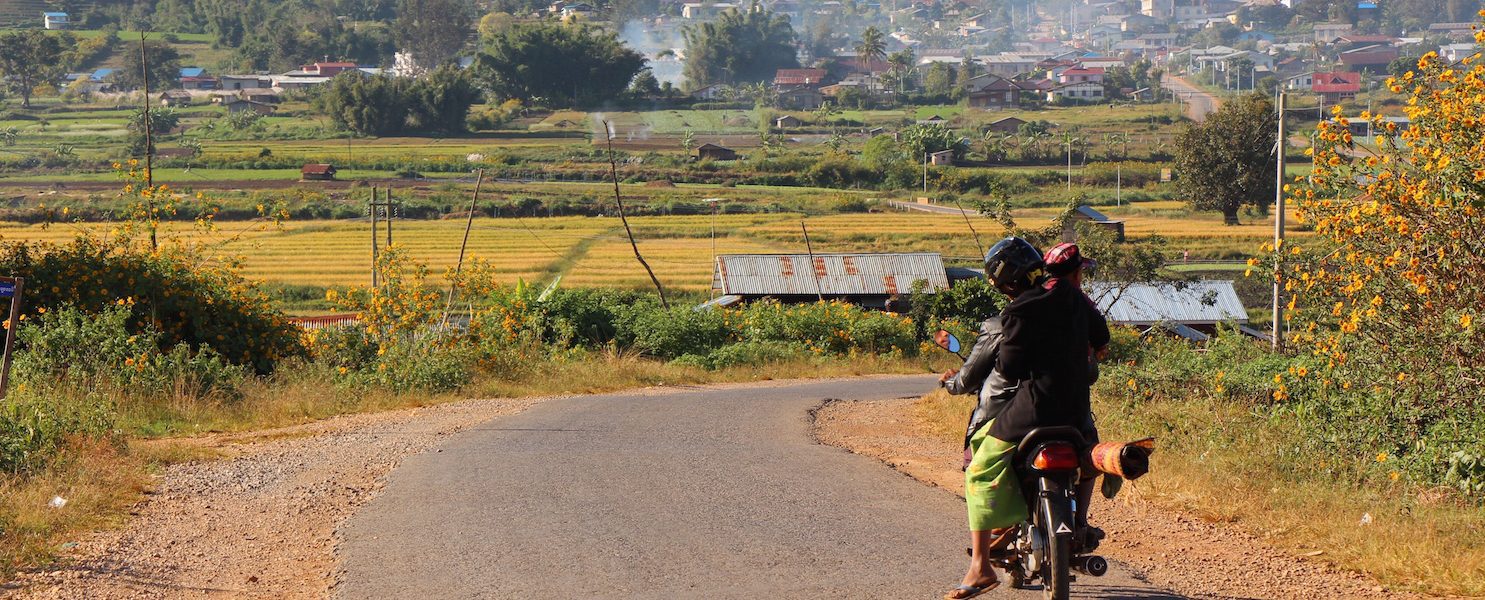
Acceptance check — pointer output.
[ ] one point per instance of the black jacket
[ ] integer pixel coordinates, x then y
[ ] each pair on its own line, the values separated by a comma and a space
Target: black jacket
978, 376
1048, 332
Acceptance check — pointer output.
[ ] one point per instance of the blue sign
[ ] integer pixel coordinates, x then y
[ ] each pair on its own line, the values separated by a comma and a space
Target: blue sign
7, 289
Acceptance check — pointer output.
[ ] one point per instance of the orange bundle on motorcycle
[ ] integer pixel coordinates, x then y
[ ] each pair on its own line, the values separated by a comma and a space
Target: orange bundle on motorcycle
1130, 460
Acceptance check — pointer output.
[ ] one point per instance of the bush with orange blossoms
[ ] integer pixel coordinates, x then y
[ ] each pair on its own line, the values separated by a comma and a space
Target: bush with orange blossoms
1385, 298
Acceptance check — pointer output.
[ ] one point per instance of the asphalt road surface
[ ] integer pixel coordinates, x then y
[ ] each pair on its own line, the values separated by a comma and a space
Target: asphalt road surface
700, 493
1199, 103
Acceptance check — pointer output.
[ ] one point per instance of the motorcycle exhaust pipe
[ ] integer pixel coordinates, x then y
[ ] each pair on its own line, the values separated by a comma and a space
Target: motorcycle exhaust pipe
1095, 566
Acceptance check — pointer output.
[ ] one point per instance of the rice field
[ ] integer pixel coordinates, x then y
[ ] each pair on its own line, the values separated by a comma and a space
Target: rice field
593, 251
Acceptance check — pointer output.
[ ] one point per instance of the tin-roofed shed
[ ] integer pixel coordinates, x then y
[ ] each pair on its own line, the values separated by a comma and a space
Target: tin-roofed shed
1200, 305
866, 279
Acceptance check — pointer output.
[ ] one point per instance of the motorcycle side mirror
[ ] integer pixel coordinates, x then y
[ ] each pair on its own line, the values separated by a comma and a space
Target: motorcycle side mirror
947, 341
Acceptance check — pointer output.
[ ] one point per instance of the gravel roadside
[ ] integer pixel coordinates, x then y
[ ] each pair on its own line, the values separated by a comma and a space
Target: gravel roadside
1177, 552
260, 523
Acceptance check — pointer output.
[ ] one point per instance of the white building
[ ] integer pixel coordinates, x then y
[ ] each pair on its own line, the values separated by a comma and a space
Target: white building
55, 20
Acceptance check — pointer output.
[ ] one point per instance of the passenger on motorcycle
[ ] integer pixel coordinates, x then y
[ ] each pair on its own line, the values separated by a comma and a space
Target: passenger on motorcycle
1065, 261
1046, 333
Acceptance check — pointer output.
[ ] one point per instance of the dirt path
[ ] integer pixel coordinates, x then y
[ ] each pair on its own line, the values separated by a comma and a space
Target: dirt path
261, 523
1187, 555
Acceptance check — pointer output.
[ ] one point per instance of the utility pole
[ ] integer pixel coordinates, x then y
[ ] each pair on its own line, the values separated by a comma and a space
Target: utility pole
149, 141
387, 206
371, 209
819, 292
925, 173
714, 202
1278, 312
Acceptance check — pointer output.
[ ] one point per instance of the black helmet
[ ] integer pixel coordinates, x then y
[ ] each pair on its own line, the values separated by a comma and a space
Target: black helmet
1013, 264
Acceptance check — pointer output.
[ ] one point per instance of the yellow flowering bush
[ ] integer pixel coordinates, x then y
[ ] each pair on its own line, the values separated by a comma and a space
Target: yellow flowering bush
1385, 297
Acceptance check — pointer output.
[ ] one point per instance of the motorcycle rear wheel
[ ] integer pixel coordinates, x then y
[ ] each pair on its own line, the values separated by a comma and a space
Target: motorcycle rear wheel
1056, 573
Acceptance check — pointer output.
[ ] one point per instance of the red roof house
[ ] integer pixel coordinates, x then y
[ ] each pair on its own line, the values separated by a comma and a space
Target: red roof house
792, 77
1080, 75
1337, 85
317, 172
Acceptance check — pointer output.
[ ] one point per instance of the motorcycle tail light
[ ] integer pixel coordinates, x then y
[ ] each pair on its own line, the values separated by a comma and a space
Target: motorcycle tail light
1056, 457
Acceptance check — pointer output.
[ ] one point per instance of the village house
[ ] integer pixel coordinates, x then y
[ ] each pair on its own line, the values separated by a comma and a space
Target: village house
55, 20
994, 91
704, 11
323, 69
317, 172
868, 280
1006, 125
1374, 58
788, 122
806, 77
1335, 86
237, 105
800, 97
715, 152
175, 98
243, 82
1085, 91
1081, 75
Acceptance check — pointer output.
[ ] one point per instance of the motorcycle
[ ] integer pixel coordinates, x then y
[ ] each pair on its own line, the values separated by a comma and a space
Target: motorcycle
1048, 547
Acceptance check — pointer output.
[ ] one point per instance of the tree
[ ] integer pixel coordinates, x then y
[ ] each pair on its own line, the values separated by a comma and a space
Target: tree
920, 140
558, 64
901, 68
939, 80
872, 48
739, 47
28, 59
163, 67
365, 104
441, 101
433, 30
645, 85
1227, 161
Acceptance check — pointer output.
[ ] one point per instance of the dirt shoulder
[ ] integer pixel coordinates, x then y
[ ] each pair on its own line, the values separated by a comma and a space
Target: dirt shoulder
261, 521
1188, 555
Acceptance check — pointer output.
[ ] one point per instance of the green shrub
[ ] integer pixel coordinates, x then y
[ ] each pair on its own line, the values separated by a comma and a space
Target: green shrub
745, 354
168, 292
35, 422
84, 351
675, 332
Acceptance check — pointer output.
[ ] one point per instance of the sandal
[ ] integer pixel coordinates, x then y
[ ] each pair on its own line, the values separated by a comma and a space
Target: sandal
965, 592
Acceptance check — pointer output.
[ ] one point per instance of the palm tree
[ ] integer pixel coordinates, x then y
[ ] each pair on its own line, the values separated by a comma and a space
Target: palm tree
873, 47
901, 67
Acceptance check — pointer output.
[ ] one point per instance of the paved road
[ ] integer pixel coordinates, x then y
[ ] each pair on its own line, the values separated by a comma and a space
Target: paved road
1199, 103
704, 493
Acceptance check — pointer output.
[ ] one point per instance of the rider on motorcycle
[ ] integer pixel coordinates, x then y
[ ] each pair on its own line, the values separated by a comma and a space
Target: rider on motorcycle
1047, 331
1065, 261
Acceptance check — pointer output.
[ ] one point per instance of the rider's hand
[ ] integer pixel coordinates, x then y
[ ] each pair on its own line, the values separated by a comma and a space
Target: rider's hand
949, 374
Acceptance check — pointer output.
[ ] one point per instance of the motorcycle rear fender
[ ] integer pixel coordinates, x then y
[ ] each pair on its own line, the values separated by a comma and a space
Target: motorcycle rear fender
1055, 507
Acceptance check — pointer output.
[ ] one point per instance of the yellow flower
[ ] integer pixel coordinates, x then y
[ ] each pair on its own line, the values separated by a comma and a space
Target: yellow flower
342, 370
1465, 321
1393, 475
1382, 457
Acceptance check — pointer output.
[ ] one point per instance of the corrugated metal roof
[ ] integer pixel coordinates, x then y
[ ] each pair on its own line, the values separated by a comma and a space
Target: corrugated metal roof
839, 274
1191, 303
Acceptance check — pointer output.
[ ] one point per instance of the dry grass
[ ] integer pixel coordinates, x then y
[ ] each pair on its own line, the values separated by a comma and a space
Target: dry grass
99, 481
1421, 540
